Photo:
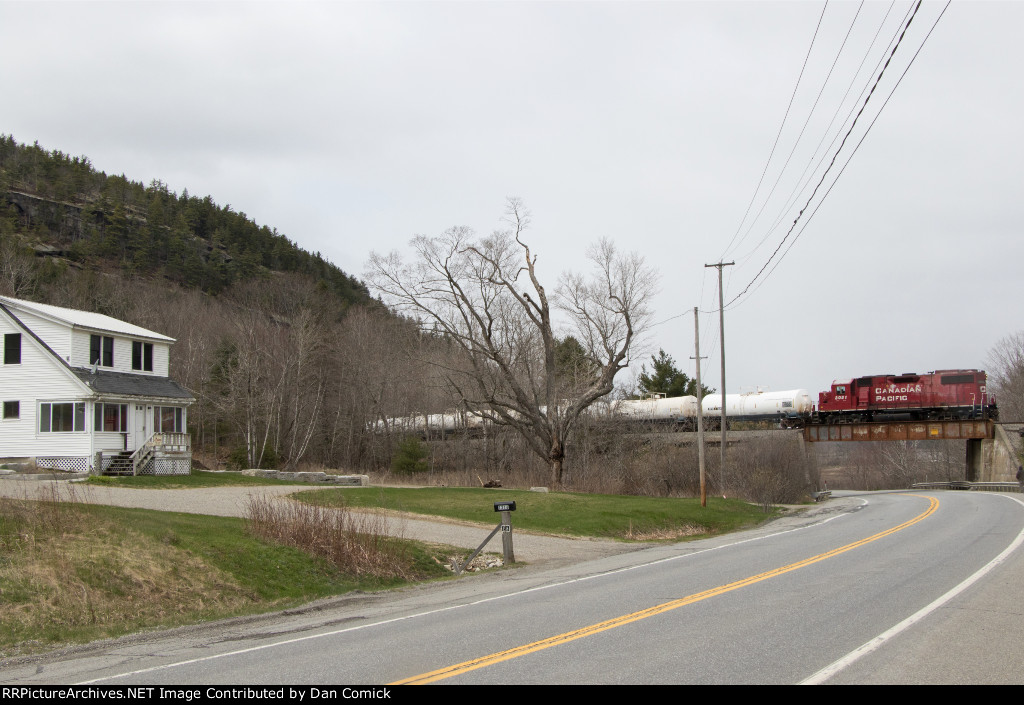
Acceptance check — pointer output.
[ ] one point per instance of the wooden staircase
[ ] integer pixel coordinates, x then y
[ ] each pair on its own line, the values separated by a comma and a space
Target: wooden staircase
161, 454
120, 464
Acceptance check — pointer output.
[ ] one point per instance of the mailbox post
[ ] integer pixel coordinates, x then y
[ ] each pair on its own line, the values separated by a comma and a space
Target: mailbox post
505, 527
506, 509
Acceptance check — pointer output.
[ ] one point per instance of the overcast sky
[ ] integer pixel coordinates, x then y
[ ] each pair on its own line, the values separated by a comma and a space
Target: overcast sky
353, 126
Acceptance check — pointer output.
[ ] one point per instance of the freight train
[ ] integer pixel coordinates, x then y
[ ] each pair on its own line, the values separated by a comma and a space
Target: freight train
788, 408
943, 394
679, 413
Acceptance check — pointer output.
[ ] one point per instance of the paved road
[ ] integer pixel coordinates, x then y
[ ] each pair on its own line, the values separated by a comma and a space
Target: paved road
775, 605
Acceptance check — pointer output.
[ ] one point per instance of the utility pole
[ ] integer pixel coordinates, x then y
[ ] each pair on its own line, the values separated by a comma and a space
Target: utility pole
721, 328
700, 410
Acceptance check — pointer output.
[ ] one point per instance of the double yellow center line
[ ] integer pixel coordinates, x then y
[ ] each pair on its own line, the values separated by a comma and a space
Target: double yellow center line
467, 666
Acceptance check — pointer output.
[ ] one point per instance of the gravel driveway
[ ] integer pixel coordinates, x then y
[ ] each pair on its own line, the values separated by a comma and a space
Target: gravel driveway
232, 501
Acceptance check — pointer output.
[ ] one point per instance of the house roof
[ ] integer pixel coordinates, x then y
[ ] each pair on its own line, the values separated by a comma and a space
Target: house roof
84, 319
125, 384
61, 362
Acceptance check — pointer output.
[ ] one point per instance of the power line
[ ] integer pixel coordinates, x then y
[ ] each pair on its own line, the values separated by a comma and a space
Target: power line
781, 126
803, 129
857, 147
901, 36
801, 183
834, 156
670, 318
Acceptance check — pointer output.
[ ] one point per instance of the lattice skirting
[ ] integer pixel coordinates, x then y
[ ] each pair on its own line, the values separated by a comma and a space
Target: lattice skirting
166, 466
67, 464
173, 466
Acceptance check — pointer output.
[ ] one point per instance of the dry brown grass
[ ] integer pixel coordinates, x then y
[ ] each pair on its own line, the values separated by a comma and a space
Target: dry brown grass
65, 571
667, 534
641, 461
355, 542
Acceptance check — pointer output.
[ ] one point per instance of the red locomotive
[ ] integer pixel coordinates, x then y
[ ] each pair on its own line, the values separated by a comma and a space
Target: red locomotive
943, 394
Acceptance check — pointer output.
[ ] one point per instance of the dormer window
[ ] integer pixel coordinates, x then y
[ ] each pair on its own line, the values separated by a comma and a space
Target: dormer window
142, 356
101, 350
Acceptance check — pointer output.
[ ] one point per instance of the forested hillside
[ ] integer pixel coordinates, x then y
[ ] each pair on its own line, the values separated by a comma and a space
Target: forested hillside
60, 204
292, 363
289, 357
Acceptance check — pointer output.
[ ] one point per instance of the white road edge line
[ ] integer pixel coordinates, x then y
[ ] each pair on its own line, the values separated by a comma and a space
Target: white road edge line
837, 666
459, 606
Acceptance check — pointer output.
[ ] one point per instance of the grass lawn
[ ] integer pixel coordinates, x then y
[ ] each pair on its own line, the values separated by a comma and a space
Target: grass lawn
608, 516
198, 478
72, 573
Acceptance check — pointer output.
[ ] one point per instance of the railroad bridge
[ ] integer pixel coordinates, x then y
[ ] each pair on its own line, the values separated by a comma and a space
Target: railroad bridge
993, 448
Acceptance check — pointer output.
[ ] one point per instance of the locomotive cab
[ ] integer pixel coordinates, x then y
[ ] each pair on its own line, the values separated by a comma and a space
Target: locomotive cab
848, 400
837, 397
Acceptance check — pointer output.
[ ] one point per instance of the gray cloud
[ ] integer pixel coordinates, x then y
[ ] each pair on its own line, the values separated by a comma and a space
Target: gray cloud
351, 126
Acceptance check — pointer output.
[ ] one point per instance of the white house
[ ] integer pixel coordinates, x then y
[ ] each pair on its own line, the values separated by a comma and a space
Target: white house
86, 392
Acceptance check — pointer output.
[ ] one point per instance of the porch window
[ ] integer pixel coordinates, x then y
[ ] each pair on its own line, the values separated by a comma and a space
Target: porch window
111, 417
167, 419
12, 409
61, 417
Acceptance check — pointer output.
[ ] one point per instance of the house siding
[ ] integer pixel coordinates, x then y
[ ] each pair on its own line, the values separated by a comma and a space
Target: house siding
54, 367
56, 335
161, 359
39, 378
110, 441
80, 347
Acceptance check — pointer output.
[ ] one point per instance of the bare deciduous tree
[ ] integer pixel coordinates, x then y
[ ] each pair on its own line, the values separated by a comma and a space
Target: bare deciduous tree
1006, 375
246, 380
484, 294
17, 274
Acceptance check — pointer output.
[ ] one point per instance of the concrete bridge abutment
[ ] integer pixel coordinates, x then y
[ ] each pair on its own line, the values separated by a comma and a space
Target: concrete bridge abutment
994, 459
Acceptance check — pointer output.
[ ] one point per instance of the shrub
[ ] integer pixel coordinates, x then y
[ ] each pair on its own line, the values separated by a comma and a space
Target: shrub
410, 457
773, 470
239, 458
355, 543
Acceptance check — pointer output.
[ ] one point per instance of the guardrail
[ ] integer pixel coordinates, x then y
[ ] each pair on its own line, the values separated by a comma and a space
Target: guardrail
970, 486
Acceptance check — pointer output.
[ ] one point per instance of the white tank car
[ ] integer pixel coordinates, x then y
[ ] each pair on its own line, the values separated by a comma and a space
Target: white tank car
429, 424
667, 409
788, 406
454, 421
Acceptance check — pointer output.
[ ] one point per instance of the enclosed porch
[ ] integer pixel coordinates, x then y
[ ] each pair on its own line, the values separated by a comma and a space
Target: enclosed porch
161, 454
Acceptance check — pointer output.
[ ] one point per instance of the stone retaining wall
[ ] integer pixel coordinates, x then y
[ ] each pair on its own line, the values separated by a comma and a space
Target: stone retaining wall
313, 477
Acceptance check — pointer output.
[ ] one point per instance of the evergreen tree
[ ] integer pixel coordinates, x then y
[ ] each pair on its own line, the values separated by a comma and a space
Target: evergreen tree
572, 365
665, 378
